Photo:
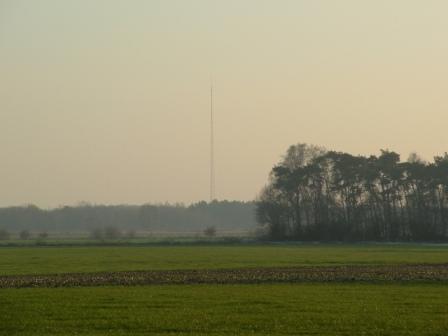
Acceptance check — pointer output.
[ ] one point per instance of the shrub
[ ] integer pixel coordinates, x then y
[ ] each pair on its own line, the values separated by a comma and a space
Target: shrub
111, 232
43, 235
97, 233
130, 233
210, 231
24, 234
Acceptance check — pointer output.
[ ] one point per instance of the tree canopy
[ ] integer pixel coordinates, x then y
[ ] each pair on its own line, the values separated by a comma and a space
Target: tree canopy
314, 194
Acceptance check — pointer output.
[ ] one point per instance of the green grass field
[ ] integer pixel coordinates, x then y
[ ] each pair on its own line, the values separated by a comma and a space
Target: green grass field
316, 308
299, 309
44, 260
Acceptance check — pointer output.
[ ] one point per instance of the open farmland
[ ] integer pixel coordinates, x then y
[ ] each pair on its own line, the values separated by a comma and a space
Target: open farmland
51, 260
302, 289
270, 309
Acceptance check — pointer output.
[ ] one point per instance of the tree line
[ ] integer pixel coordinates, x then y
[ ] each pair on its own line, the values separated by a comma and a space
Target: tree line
112, 220
315, 194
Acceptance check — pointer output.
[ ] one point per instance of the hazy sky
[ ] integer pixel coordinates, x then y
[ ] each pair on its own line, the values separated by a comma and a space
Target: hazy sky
108, 101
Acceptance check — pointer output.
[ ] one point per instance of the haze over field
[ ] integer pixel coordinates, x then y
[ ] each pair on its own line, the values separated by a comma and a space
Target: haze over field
108, 101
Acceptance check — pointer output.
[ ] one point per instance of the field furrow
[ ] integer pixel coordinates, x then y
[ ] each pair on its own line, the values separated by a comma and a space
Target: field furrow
428, 273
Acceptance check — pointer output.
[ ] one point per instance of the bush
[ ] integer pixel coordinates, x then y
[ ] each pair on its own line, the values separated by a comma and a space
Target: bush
130, 234
24, 234
111, 232
97, 233
43, 235
210, 231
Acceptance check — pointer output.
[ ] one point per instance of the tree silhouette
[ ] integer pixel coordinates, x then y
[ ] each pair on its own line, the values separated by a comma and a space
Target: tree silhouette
320, 195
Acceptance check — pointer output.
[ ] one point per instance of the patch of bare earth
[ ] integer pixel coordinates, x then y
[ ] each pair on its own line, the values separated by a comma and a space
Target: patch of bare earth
400, 273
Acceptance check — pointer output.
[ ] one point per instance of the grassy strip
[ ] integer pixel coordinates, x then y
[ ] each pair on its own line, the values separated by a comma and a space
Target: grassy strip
269, 309
191, 241
50, 260
235, 276
156, 241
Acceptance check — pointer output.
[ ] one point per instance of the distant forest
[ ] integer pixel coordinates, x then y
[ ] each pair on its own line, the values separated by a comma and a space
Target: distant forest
312, 194
222, 215
315, 194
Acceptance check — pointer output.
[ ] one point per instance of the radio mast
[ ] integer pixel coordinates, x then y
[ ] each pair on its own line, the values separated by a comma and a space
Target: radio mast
212, 148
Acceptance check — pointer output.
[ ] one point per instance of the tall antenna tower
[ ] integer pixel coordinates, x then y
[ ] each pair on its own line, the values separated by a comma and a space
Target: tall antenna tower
212, 148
